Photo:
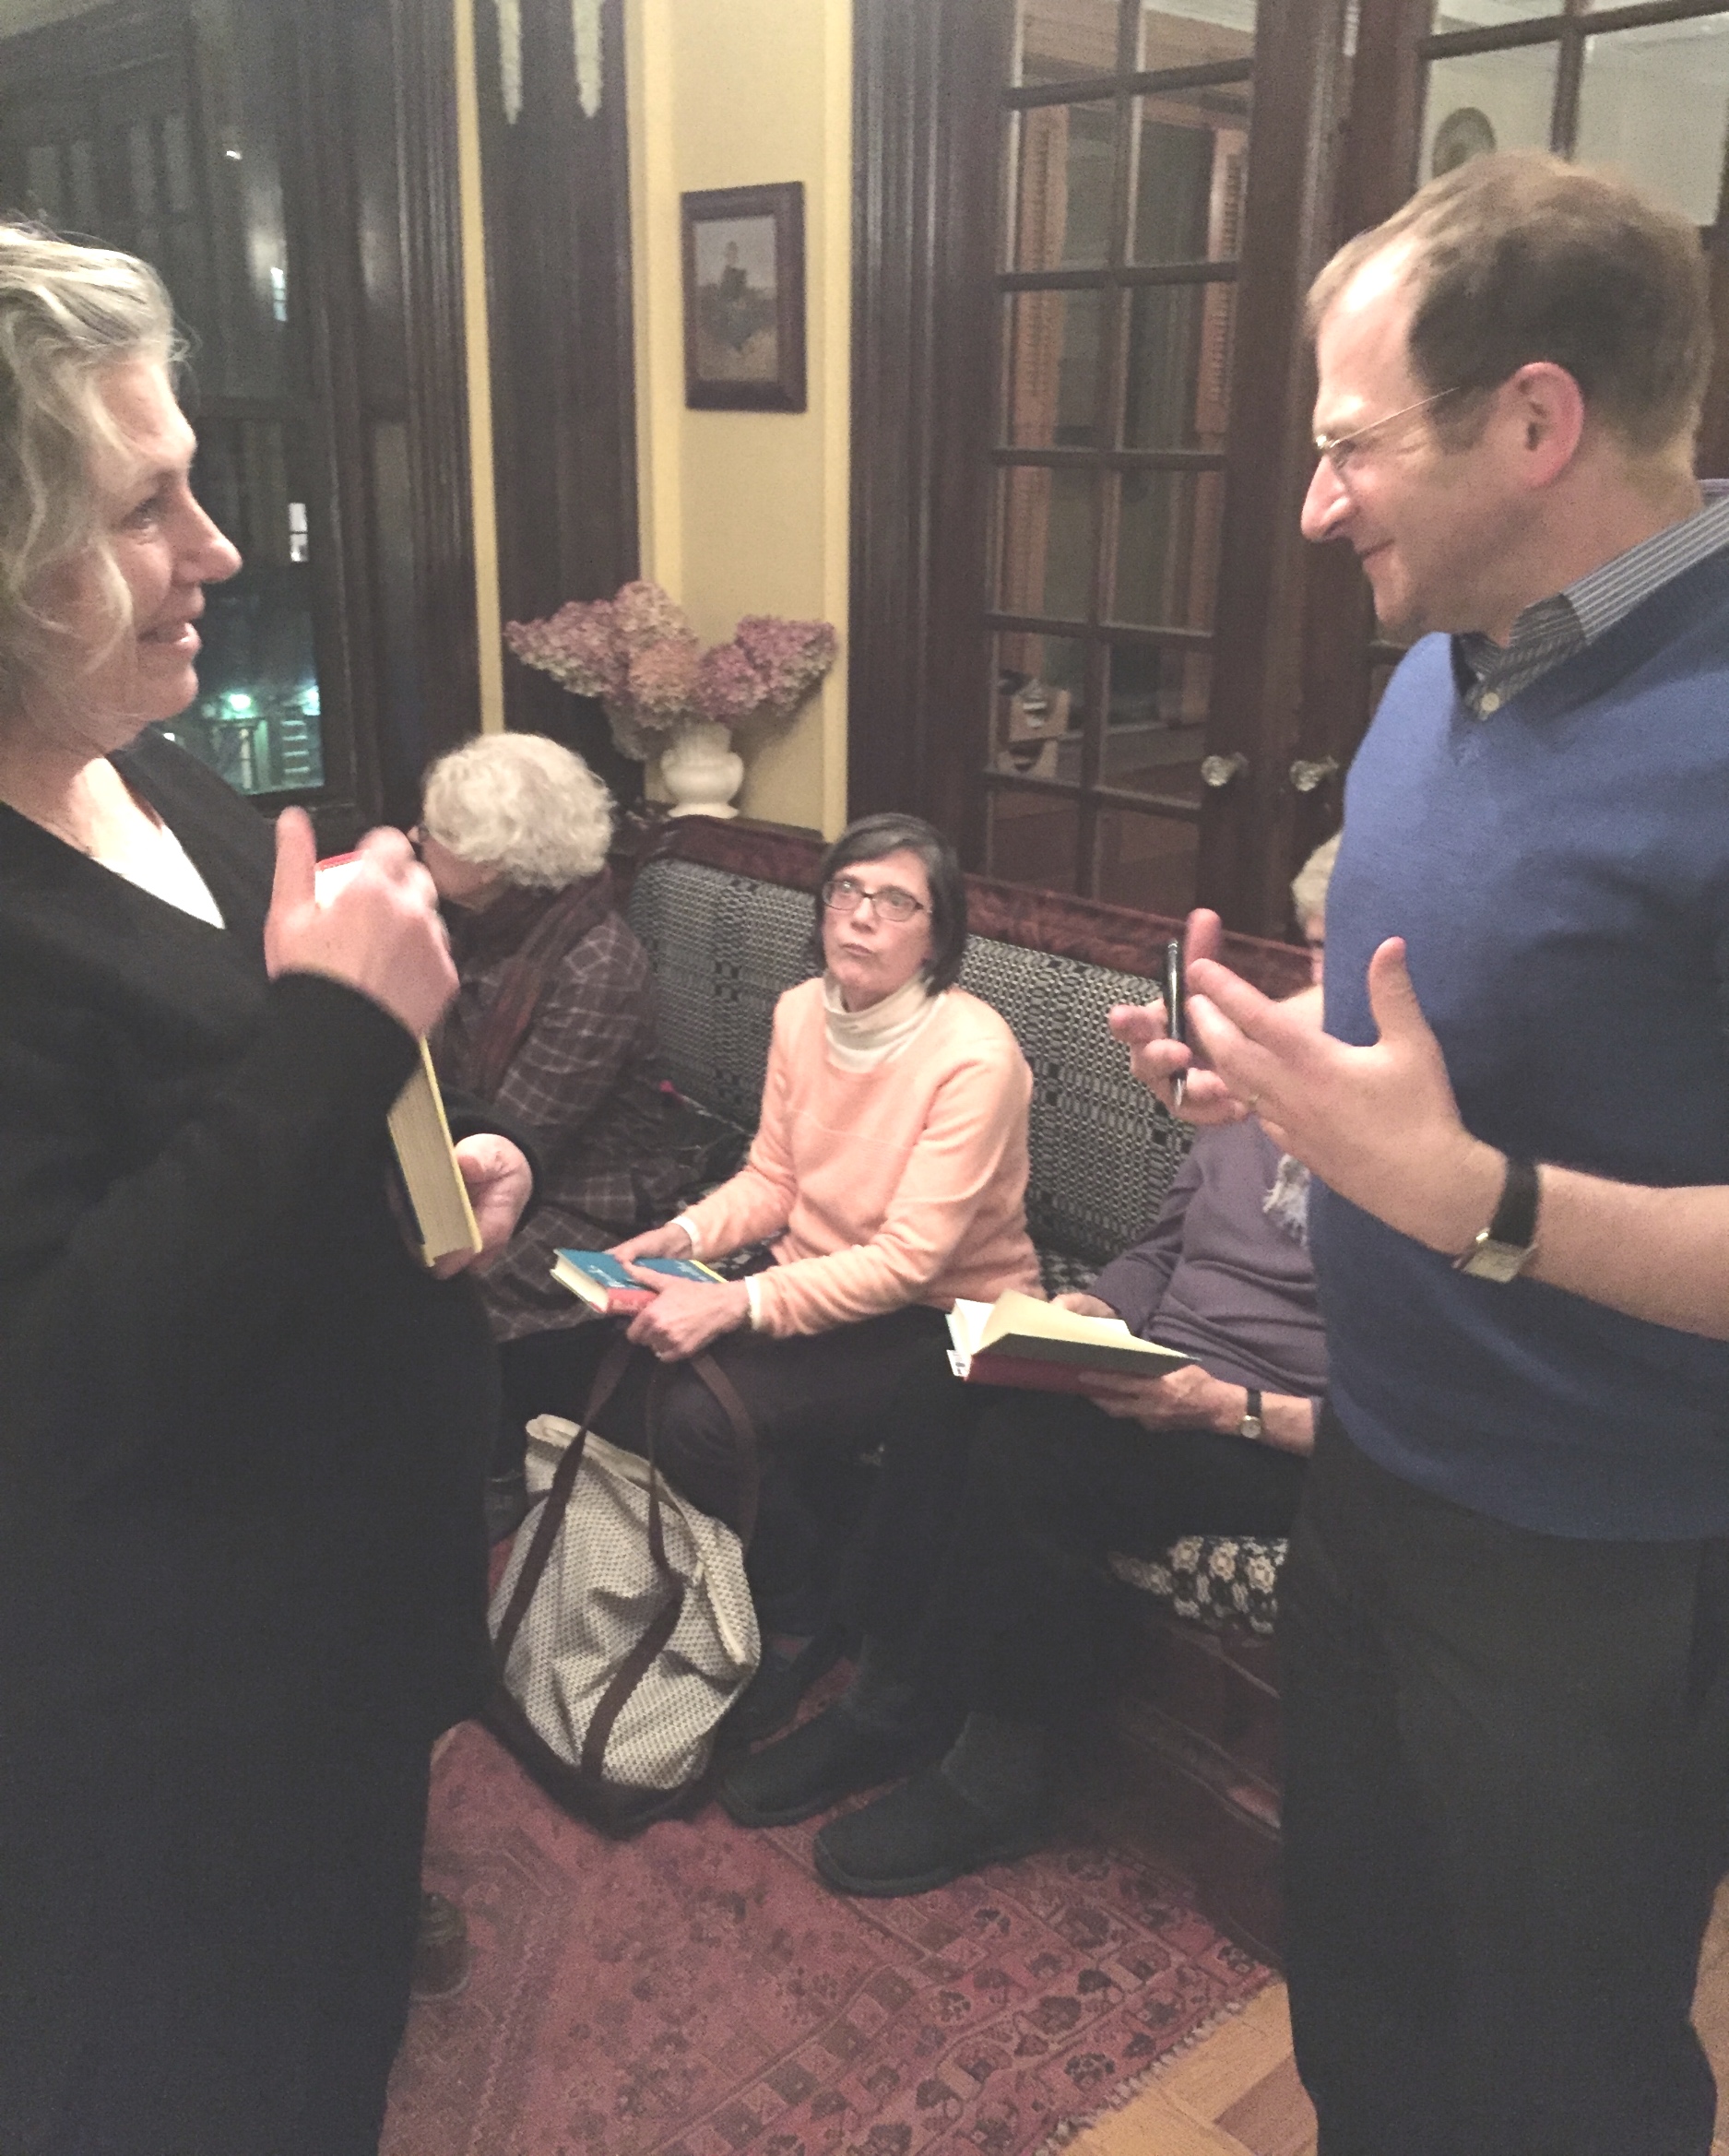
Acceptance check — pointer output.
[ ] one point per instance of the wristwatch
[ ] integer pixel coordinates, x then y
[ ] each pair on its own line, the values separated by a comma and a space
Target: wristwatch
1251, 1427
1505, 1247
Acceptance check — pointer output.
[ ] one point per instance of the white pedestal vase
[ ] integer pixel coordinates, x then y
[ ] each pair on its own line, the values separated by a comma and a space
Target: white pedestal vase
701, 771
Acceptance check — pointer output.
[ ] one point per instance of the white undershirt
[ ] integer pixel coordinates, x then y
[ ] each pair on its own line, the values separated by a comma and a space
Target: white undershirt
160, 865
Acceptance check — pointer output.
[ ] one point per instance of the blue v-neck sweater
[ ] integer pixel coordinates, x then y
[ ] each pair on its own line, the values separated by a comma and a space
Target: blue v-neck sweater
1560, 873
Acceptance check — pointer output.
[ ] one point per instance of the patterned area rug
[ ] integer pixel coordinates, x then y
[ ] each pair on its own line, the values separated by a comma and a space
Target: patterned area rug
697, 1992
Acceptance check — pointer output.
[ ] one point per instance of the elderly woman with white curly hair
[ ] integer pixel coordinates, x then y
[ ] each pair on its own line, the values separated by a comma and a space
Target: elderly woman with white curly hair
554, 1026
241, 1573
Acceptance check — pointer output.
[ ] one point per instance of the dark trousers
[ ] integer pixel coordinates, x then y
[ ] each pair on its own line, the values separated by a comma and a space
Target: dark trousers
1506, 1785
818, 1401
980, 1567
206, 1948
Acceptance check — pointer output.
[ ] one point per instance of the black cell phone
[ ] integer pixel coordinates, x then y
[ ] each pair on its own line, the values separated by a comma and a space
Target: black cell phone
1173, 1011
1174, 991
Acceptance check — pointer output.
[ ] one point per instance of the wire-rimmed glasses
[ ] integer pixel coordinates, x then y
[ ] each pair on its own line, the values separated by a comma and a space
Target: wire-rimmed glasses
841, 895
1339, 449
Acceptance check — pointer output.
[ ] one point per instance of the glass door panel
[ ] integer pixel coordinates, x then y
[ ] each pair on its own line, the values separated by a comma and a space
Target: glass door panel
1191, 164
1167, 548
1654, 101
1065, 161
1061, 41
1180, 37
1040, 705
1177, 392
1050, 358
1046, 518
1487, 100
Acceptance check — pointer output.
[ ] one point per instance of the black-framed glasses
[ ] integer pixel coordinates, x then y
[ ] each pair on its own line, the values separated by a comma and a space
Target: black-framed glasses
841, 895
1339, 449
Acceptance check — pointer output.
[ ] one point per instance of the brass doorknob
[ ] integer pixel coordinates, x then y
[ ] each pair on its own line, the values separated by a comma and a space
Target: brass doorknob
1306, 775
1217, 771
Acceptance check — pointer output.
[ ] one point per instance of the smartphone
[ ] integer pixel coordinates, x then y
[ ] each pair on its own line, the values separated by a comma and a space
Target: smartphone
1174, 1007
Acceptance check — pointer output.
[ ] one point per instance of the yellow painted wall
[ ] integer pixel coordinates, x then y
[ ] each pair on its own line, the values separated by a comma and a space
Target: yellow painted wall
746, 512
741, 513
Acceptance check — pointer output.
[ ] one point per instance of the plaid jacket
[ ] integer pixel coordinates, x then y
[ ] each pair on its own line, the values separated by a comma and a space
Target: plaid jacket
584, 1082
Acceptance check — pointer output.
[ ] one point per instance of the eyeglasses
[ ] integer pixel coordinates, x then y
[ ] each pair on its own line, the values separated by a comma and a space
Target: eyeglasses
1339, 449
841, 895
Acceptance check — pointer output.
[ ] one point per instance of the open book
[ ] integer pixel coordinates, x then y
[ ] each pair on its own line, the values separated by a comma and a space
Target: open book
603, 1284
432, 1181
1018, 1340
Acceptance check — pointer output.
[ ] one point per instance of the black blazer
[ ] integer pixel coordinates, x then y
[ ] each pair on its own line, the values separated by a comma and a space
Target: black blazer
243, 1434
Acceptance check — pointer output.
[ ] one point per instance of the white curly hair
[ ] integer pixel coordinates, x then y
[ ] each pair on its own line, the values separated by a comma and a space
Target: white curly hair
522, 805
1308, 886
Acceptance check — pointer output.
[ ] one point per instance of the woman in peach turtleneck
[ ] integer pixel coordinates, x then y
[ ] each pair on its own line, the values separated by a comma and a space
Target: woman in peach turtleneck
888, 1172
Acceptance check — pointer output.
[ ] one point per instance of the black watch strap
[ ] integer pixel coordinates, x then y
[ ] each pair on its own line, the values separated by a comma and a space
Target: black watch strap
1515, 1220
1504, 1247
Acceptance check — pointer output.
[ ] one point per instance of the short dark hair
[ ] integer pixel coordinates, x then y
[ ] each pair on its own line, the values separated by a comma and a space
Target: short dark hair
870, 839
1521, 257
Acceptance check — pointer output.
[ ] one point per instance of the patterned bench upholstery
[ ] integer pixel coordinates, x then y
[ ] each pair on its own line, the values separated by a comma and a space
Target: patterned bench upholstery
730, 929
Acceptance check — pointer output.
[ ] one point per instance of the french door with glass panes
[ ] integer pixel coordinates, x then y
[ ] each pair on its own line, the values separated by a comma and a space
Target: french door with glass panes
1085, 631
1137, 195
1125, 139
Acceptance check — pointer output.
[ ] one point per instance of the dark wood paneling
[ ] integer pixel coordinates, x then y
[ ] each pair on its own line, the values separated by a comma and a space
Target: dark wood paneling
556, 198
927, 76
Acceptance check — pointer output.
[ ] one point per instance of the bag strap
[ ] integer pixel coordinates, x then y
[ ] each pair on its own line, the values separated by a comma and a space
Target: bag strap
660, 1627
552, 1512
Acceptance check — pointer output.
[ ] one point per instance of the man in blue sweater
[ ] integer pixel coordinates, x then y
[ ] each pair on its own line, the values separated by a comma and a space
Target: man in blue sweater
1505, 1616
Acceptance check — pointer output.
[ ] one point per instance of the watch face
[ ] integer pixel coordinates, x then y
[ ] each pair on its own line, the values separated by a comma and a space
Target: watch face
1497, 1262
1250, 1426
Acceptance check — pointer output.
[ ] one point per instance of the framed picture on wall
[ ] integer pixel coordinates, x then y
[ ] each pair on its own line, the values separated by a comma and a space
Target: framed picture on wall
744, 298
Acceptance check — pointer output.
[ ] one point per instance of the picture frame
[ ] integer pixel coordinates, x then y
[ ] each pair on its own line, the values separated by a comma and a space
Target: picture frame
743, 250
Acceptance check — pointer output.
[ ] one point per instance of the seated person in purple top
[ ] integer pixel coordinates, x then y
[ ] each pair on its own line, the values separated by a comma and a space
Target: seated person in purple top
980, 1589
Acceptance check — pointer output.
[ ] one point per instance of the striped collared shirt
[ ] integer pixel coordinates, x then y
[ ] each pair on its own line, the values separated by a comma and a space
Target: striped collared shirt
1491, 674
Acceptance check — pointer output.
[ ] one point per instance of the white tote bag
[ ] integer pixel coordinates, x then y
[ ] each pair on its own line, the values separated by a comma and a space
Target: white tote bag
623, 1629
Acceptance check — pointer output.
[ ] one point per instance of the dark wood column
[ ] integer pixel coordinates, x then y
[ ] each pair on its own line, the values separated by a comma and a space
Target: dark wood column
556, 186
927, 75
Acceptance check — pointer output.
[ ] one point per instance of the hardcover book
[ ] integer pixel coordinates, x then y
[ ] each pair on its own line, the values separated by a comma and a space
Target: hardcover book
603, 1284
432, 1181
1020, 1341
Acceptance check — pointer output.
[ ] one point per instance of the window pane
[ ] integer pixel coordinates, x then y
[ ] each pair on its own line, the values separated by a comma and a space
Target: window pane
1168, 549
1064, 156
1487, 100
1455, 15
1191, 166
1057, 40
1035, 839
1045, 520
1652, 101
1156, 719
1040, 705
257, 716
1179, 366
1180, 37
1147, 861
1050, 364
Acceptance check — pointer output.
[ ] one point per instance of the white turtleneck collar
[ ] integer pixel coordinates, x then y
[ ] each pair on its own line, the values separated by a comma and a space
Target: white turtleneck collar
860, 1041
